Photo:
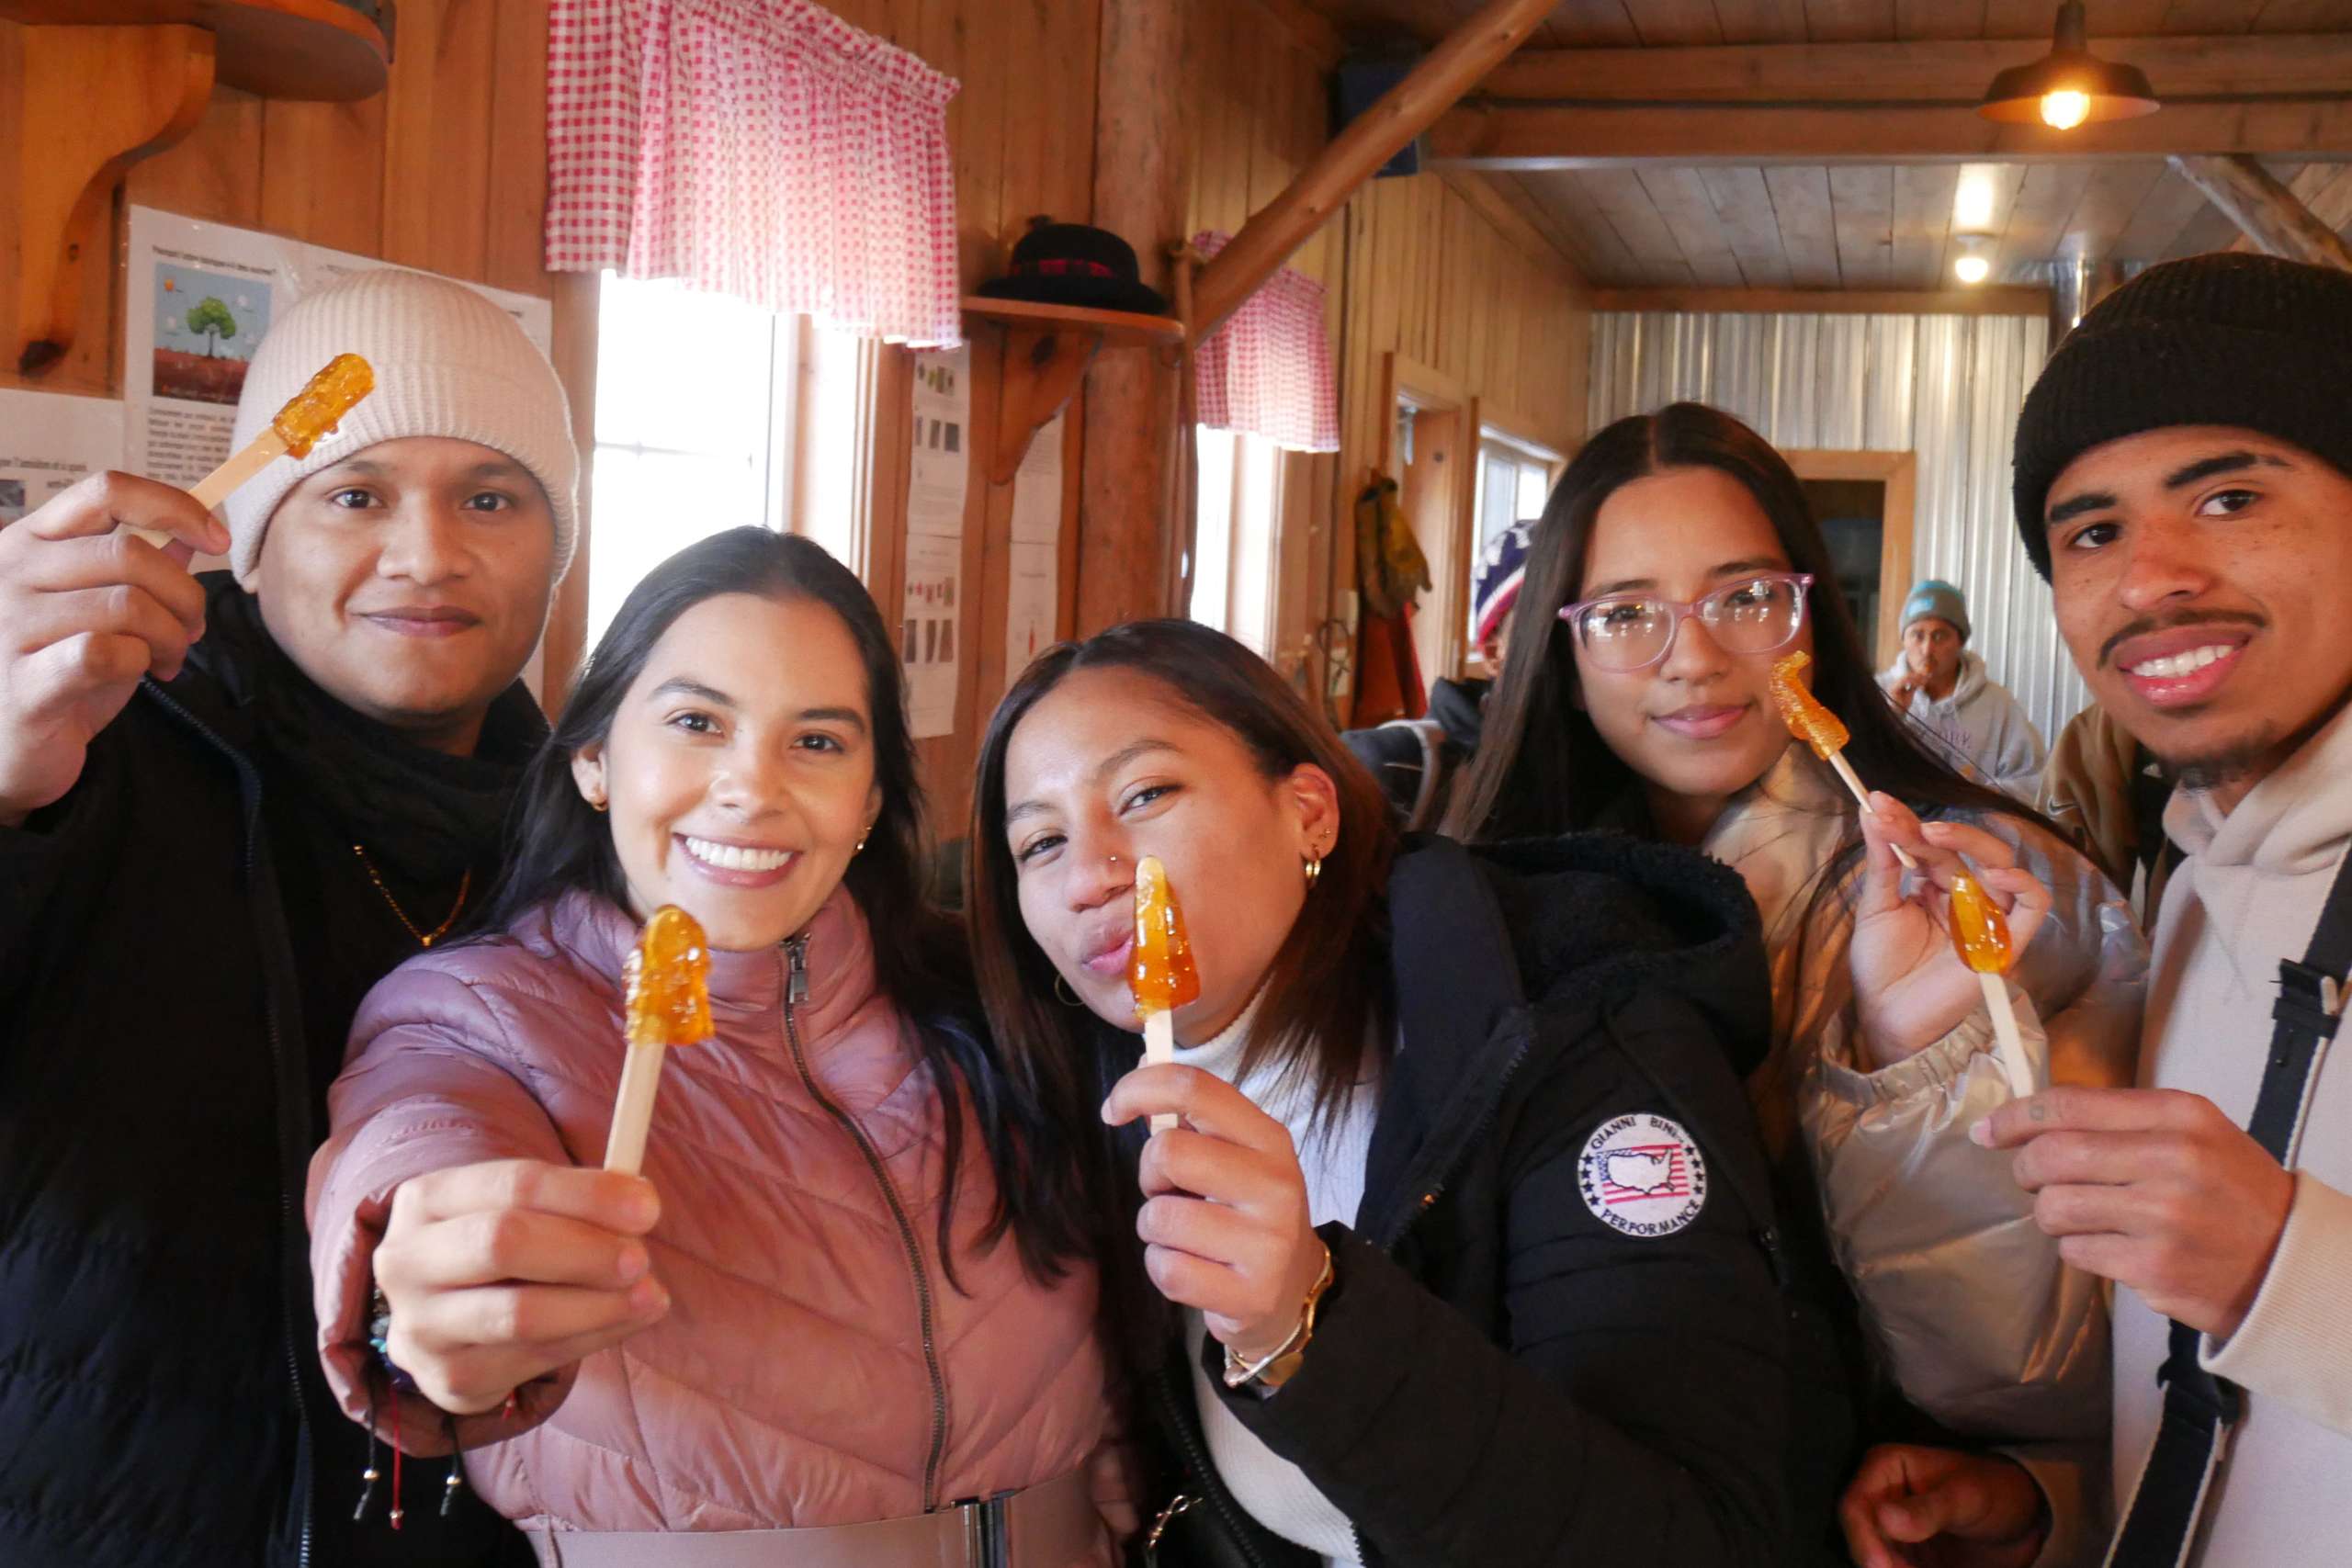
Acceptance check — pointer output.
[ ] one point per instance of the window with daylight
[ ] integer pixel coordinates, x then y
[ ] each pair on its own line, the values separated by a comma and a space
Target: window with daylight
1514, 482
711, 414
1237, 516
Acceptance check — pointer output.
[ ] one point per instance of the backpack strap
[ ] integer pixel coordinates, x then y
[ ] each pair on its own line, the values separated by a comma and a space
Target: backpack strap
2159, 1528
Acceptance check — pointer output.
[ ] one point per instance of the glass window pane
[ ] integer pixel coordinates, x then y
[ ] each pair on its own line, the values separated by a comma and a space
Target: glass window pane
681, 371
1534, 489
1213, 526
650, 505
1257, 501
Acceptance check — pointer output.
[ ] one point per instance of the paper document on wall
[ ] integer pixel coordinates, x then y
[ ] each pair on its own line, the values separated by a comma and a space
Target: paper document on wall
200, 299
939, 475
49, 441
1037, 488
932, 610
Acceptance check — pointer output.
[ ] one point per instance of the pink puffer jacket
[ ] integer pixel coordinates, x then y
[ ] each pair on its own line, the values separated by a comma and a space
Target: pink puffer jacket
815, 1367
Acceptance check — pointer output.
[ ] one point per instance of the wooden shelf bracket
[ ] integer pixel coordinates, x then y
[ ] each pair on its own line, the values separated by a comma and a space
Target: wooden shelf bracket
1043, 365
80, 129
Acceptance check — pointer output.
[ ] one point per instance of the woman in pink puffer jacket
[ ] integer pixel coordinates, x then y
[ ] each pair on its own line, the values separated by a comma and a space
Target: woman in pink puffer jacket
824, 1322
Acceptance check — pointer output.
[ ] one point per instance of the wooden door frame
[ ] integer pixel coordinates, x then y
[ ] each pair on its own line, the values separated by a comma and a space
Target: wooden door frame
1401, 377
1899, 472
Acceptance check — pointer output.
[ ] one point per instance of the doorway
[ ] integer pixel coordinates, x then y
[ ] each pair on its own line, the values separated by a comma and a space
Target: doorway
1863, 503
1428, 449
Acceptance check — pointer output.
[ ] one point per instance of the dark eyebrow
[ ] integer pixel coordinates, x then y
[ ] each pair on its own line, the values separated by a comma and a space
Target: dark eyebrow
1111, 765
682, 686
2076, 506
488, 468
1728, 569
2222, 463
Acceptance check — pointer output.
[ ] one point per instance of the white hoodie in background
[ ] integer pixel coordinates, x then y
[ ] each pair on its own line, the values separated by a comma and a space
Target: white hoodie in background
2249, 895
1981, 722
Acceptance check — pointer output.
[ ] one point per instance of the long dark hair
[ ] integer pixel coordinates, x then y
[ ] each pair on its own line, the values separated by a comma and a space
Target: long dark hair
1541, 766
1326, 996
561, 845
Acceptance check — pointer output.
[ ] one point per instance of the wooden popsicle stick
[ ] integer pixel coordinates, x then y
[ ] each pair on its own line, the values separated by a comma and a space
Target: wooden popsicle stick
633, 1110
2005, 1031
1862, 799
1159, 1046
227, 478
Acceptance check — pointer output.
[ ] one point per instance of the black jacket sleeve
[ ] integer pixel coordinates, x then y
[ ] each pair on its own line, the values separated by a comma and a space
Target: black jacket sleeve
53, 868
1637, 1412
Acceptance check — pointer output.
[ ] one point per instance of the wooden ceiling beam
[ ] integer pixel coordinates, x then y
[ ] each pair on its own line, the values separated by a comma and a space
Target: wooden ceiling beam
1595, 136
1992, 299
1951, 72
1400, 114
2272, 217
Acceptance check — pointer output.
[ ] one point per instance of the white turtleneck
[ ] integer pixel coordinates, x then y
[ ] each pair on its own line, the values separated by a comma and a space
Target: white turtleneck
2249, 895
1275, 1492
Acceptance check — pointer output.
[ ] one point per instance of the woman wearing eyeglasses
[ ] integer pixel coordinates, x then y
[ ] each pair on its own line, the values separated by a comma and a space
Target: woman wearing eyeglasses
1676, 561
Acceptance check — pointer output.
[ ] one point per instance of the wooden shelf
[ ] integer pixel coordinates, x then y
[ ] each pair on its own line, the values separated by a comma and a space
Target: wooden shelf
1047, 349
317, 49
110, 81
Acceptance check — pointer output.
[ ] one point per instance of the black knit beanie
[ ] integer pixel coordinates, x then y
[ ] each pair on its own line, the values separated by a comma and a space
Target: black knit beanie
2247, 341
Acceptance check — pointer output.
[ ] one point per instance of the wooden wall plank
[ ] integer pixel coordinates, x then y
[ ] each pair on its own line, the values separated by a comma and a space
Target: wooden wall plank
1743, 204
1682, 199
1923, 199
1844, 21
437, 121
215, 173
1761, 21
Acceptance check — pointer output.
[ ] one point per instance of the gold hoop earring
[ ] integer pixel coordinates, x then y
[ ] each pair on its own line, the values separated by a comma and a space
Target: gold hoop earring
1064, 994
1314, 869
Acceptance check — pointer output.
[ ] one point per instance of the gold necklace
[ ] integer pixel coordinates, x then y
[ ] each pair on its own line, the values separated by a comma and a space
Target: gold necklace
424, 939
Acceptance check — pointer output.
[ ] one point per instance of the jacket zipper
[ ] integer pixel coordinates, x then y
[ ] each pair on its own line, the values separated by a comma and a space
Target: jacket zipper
1228, 1512
795, 991
250, 789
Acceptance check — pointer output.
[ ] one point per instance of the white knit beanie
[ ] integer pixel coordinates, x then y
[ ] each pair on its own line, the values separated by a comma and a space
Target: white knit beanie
448, 362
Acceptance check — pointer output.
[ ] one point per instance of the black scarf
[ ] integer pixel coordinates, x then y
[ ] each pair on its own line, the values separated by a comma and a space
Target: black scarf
424, 816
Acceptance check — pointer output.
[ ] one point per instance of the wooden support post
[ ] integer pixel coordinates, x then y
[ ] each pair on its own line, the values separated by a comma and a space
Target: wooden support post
1127, 556
1403, 112
88, 102
2268, 212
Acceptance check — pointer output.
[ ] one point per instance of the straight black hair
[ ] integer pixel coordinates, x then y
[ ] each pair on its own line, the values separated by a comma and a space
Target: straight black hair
561, 844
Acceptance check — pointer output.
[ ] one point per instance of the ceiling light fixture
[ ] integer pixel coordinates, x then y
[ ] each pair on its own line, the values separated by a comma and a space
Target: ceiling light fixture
1975, 262
2069, 86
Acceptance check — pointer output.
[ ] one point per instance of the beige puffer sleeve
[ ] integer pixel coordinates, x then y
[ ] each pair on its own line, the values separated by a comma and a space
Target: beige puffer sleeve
1982, 1324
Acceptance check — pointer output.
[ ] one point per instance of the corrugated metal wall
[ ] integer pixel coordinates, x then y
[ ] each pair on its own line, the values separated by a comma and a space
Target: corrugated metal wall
1947, 387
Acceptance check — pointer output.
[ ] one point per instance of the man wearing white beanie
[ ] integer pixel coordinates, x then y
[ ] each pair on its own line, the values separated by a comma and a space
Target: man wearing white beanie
229, 805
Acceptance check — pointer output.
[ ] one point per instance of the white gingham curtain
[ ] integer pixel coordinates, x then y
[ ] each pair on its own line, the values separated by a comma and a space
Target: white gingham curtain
762, 149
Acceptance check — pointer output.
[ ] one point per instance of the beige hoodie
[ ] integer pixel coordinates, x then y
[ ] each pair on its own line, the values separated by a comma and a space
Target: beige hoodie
2247, 896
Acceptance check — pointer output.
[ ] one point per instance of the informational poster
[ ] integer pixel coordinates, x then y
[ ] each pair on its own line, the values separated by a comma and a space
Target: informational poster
1031, 597
943, 443
1037, 488
201, 296
927, 631
47, 442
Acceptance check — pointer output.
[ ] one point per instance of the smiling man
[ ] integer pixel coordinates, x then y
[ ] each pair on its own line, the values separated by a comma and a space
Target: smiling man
2184, 480
229, 805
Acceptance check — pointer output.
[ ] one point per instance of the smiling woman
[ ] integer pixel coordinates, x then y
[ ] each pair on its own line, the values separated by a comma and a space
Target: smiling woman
834, 1193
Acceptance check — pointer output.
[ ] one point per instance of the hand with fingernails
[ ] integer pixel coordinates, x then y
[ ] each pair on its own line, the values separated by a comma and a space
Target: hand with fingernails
2154, 1189
1225, 1220
501, 1273
86, 610
1910, 1506
1910, 987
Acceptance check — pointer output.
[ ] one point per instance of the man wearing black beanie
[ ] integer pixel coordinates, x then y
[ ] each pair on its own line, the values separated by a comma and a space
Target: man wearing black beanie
2184, 481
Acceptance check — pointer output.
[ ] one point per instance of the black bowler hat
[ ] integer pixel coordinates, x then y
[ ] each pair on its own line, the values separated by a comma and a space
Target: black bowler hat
1075, 263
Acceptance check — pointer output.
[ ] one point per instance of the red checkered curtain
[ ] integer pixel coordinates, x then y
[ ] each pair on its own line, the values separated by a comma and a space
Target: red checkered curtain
1268, 371
763, 149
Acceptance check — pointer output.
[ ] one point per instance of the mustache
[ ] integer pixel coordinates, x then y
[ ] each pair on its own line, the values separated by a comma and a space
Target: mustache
2148, 624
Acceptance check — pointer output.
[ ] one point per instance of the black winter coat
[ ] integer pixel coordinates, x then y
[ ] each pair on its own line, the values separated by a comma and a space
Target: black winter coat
182, 946
1498, 1375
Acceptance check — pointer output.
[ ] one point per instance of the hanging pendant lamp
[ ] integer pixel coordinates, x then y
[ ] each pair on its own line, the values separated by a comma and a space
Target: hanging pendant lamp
2069, 86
